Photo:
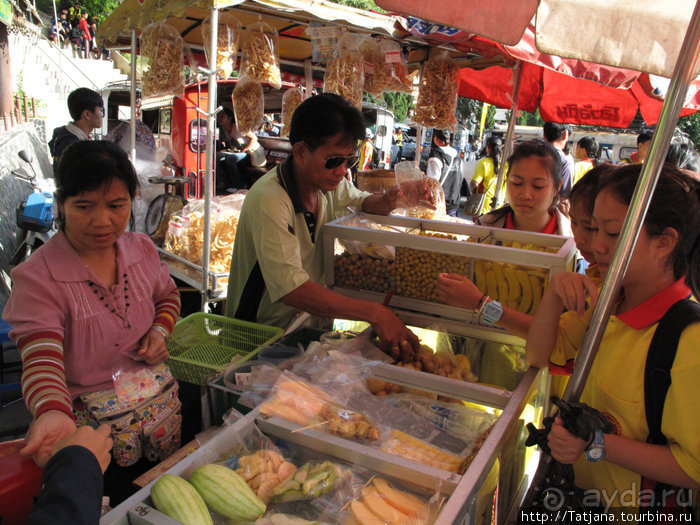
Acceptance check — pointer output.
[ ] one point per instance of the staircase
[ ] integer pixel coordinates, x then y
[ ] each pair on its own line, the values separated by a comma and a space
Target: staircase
48, 74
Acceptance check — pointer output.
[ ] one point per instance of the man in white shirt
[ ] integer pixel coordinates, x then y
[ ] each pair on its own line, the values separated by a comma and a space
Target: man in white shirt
441, 160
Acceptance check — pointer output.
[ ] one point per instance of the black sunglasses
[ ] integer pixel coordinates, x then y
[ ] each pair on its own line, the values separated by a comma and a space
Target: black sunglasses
336, 161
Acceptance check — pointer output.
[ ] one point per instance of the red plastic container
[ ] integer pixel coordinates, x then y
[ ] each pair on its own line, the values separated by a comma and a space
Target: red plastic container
20, 483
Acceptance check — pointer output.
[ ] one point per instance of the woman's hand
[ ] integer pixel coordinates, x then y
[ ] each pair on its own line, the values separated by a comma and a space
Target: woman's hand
45, 432
573, 289
96, 441
457, 290
565, 447
153, 349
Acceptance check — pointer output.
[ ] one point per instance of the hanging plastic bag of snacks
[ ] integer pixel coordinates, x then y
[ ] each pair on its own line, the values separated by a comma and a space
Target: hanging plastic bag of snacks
374, 66
259, 54
162, 46
345, 73
228, 31
437, 95
248, 104
396, 71
290, 101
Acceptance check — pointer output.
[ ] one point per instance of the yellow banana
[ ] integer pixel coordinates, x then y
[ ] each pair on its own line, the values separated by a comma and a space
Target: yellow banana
536, 292
480, 275
514, 288
502, 283
491, 284
526, 295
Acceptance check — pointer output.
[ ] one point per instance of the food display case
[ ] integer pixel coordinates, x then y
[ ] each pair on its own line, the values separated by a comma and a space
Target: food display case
501, 460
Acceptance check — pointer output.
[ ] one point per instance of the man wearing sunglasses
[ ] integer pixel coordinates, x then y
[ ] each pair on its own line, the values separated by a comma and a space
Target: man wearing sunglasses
277, 263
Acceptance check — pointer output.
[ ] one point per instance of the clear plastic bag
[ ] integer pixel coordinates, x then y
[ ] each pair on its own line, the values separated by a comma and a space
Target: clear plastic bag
345, 72
260, 54
374, 66
248, 104
290, 102
228, 32
162, 46
437, 95
397, 77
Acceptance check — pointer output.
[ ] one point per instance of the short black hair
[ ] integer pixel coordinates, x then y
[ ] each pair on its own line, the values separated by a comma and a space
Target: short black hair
87, 165
323, 116
81, 99
554, 130
442, 134
644, 136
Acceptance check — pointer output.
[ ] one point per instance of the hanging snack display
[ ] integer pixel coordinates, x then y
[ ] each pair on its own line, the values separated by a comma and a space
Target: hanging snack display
248, 104
397, 77
290, 102
437, 95
345, 73
228, 30
162, 46
259, 59
374, 67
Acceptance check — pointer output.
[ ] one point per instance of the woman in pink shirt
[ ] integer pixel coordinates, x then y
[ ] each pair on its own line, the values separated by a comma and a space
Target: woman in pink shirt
91, 312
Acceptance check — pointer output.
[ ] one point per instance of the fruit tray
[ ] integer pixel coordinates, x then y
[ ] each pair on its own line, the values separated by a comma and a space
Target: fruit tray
405, 255
465, 499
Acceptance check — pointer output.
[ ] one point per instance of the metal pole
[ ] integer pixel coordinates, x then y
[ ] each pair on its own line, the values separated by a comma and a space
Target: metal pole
682, 76
132, 125
509, 135
209, 157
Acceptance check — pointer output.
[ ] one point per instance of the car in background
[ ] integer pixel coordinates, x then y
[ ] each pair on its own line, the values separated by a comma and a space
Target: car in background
404, 144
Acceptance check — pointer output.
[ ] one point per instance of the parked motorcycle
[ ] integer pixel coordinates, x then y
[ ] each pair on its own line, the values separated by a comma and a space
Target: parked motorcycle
35, 214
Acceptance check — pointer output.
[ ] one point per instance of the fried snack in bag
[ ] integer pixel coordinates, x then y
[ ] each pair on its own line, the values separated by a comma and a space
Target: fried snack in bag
248, 104
290, 102
162, 46
374, 67
259, 54
345, 73
437, 95
397, 77
228, 31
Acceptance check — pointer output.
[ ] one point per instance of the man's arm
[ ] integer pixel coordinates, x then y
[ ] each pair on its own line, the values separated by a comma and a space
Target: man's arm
320, 301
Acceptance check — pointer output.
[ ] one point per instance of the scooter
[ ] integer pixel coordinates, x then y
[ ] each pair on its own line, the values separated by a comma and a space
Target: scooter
34, 215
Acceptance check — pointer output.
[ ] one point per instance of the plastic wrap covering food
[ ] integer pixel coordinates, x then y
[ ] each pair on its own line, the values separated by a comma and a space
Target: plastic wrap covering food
380, 502
185, 234
375, 181
248, 104
290, 102
437, 94
309, 406
345, 72
162, 46
396, 71
437, 210
228, 31
260, 54
374, 67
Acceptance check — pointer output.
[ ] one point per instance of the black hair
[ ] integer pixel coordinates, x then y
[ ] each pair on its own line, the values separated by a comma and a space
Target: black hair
494, 149
590, 144
681, 153
226, 111
674, 204
553, 131
81, 99
644, 136
88, 165
442, 134
323, 116
586, 189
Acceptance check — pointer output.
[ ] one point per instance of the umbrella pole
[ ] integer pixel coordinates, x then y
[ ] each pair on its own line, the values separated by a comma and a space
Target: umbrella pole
670, 112
209, 155
132, 99
509, 134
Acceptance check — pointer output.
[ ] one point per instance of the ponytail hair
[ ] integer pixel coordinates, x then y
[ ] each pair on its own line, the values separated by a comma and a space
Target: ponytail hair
495, 150
674, 204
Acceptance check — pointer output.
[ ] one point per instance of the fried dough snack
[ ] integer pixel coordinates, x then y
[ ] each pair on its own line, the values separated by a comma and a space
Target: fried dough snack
437, 95
259, 60
345, 77
162, 45
290, 102
374, 67
396, 72
248, 104
227, 33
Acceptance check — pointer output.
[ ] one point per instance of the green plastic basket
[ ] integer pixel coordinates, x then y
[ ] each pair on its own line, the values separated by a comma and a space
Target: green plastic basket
204, 344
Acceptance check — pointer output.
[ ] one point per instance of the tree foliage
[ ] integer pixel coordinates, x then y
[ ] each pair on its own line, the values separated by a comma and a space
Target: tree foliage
367, 5
691, 126
98, 9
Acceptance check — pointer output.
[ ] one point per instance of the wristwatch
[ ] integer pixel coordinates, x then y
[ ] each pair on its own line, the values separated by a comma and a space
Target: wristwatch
596, 450
492, 312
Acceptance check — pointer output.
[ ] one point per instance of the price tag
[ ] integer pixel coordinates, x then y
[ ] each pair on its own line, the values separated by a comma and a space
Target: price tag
393, 56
